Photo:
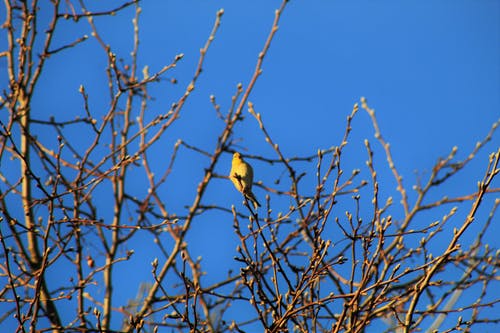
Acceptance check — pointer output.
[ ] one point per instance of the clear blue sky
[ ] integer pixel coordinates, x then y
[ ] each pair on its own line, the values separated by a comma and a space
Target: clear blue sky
431, 69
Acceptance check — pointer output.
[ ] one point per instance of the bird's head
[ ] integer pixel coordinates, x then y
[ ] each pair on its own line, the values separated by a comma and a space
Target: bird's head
236, 156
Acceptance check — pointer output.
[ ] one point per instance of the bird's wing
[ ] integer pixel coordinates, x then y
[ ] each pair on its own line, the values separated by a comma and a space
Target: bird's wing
249, 176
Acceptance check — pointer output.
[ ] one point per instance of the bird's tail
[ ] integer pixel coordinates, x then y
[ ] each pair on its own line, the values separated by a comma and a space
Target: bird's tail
252, 198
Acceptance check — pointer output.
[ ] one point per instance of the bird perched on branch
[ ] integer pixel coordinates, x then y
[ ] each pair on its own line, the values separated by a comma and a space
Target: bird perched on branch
242, 178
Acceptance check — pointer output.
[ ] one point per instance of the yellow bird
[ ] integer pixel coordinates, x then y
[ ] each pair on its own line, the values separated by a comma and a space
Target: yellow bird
242, 178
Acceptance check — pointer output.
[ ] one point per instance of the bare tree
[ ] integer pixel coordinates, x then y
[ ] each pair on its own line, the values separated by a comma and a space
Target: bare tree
67, 208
